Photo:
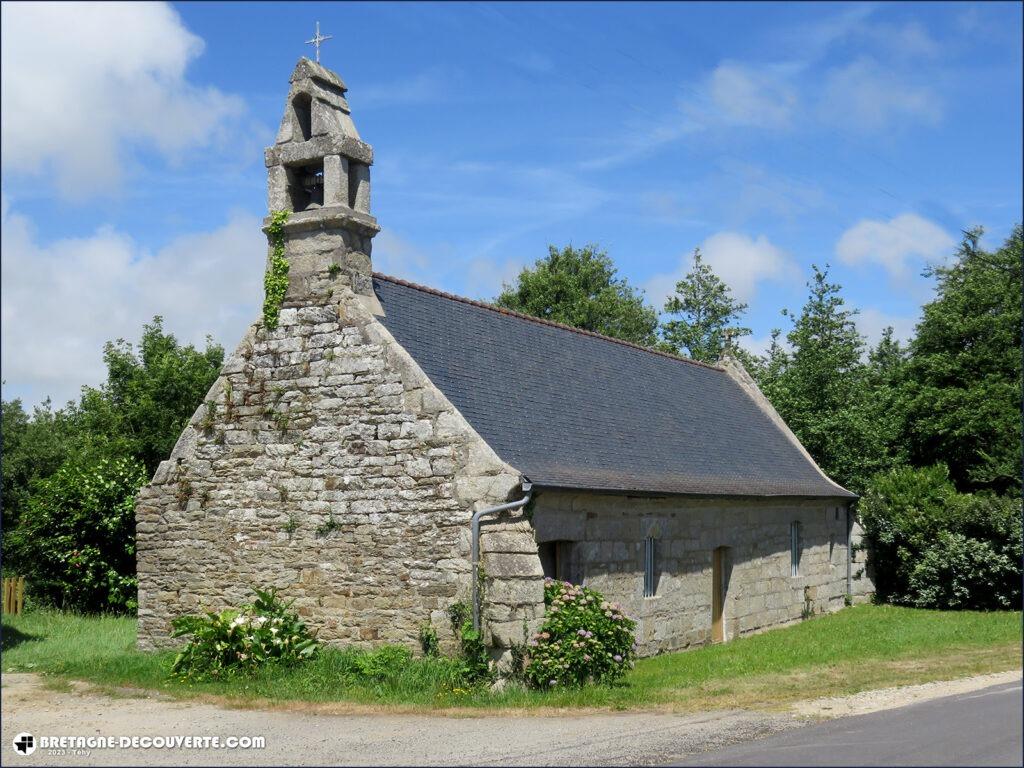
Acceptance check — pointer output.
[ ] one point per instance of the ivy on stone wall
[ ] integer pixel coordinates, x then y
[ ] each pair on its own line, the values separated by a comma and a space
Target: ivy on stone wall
275, 281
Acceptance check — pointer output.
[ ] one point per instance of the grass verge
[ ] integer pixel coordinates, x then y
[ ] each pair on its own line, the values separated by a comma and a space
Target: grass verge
856, 649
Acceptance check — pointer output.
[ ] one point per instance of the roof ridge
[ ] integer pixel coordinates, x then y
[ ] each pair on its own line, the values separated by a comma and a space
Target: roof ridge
542, 321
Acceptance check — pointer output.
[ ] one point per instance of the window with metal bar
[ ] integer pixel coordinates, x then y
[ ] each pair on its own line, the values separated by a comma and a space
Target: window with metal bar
650, 567
794, 548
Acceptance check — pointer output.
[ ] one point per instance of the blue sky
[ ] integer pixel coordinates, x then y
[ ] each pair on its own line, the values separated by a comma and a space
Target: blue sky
771, 135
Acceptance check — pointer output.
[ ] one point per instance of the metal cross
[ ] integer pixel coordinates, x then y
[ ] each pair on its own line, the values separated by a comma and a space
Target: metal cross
316, 40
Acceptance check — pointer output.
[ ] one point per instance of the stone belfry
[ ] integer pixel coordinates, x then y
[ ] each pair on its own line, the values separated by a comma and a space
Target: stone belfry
323, 461
319, 171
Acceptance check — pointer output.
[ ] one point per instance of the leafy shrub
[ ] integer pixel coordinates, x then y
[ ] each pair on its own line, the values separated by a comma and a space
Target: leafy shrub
584, 639
961, 572
933, 547
471, 644
429, 643
75, 542
383, 662
243, 640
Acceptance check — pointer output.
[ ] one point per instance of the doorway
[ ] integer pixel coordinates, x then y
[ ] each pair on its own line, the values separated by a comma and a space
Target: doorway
719, 589
560, 561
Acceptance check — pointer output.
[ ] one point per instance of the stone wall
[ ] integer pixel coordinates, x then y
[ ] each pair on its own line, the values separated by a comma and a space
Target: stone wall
325, 464
609, 532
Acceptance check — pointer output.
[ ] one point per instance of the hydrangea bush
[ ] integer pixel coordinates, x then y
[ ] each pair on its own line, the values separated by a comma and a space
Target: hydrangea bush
584, 639
241, 640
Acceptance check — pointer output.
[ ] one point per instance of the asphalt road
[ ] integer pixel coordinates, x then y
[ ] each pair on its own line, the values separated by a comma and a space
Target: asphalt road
979, 728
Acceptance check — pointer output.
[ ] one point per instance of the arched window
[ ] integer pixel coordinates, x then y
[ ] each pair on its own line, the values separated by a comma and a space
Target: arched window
303, 106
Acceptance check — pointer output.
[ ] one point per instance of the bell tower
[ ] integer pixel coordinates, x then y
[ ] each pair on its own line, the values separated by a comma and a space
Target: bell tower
319, 171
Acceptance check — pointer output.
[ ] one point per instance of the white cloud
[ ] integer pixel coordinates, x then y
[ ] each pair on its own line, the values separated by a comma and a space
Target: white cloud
396, 256
62, 300
910, 39
733, 95
871, 321
85, 82
759, 345
485, 277
894, 243
533, 61
865, 95
422, 88
740, 260
750, 96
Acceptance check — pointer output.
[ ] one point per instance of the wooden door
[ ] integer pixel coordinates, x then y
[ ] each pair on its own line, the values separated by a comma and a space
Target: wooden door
718, 595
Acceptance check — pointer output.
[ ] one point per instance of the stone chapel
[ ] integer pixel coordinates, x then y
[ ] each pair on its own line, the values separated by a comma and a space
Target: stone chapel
388, 449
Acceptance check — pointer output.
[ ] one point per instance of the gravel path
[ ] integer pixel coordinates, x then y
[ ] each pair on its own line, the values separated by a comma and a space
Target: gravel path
303, 738
364, 739
888, 698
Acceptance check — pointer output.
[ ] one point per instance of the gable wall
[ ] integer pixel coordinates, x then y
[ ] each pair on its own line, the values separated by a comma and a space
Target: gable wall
324, 417
609, 556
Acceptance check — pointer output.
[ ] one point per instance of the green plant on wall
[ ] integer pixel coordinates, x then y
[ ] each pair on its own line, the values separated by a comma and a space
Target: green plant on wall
275, 281
471, 643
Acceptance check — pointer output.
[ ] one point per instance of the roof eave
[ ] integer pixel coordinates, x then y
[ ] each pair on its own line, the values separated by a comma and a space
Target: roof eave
846, 496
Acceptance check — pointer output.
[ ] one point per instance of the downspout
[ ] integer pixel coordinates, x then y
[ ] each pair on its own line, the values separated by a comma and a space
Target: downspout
849, 554
475, 543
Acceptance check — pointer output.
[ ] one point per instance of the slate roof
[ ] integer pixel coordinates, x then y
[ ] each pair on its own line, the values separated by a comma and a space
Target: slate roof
573, 409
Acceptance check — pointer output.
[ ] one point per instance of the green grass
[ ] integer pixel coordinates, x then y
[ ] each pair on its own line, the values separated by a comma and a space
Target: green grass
858, 648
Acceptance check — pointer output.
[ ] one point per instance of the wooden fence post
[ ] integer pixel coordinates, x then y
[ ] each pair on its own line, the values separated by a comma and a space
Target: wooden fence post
14, 595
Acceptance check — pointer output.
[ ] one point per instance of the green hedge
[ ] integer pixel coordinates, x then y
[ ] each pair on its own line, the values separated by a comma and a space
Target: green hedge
933, 547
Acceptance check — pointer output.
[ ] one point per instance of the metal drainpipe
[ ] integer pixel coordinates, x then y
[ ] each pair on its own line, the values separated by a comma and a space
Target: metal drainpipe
849, 554
475, 544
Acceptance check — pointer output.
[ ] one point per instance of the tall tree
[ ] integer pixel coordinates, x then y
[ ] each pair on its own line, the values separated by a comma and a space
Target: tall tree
706, 311
34, 446
964, 374
579, 287
820, 386
149, 395
886, 378
70, 476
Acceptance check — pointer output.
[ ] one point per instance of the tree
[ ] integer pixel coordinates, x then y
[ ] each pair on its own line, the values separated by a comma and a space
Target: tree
821, 389
707, 314
75, 541
579, 287
149, 395
963, 385
886, 379
33, 446
70, 476
932, 547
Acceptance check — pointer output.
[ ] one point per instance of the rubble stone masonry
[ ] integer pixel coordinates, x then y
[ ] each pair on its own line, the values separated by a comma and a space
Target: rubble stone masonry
325, 464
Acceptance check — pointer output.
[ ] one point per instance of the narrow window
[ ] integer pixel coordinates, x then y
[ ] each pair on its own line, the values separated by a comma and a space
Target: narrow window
650, 567
794, 548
